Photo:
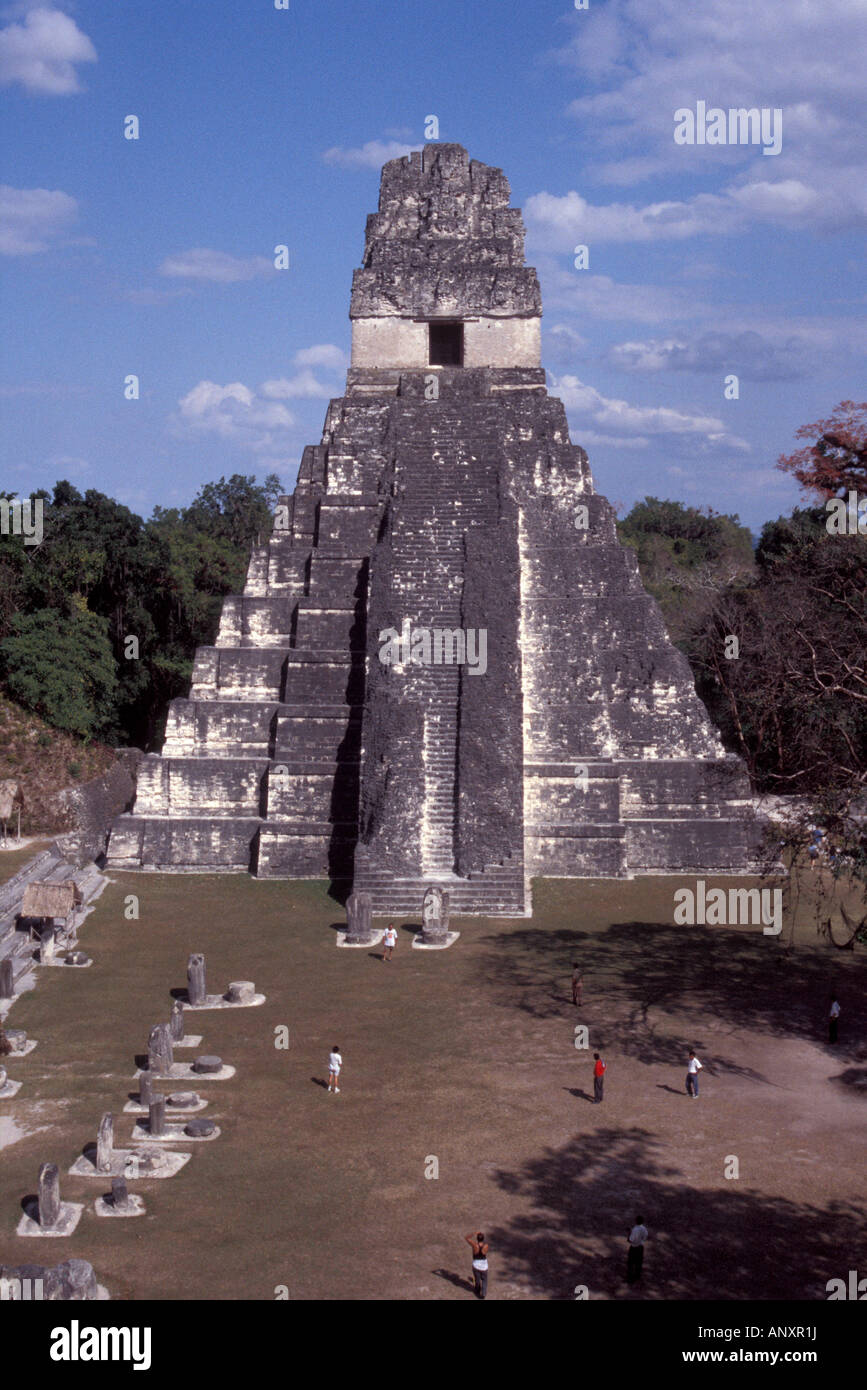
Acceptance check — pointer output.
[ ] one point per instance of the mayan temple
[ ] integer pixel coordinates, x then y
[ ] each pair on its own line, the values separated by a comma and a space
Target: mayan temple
533, 717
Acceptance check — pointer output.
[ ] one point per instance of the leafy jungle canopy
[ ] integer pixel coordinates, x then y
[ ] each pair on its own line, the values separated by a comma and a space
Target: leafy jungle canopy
102, 575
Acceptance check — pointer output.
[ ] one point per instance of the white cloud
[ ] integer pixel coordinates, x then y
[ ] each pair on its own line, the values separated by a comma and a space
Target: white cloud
304, 383
601, 297
639, 63
322, 355
235, 413
748, 354
372, 155
202, 263
42, 53
558, 223
255, 417
617, 421
31, 218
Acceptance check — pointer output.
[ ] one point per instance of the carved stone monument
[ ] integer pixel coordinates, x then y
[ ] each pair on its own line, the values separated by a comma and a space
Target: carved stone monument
160, 1052
358, 927
120, 1201
206, 1066
176, 1022
157, 1117
196, 990
105, 1144
49, 1195
241, 992
70, 1281
48, 1216
435, 917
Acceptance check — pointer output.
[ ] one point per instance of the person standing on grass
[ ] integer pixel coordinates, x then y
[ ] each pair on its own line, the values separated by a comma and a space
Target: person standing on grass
693, 1067
833, 1018
389, 941
480, 1263
598, 1077
335, 1062
577, 985
635, 1256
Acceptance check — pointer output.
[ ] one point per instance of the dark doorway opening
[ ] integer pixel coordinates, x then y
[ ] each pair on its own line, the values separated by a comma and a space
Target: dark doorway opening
446, 344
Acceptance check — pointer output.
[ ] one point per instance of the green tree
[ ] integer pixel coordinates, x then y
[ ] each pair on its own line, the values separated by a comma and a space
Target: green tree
61, 666
686, 556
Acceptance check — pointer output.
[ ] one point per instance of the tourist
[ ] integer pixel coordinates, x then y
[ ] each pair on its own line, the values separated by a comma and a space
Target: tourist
635, 1256
598, 1076
833, 1018
335, 1062
577, 985
480, 1263
693, 1067
389, 941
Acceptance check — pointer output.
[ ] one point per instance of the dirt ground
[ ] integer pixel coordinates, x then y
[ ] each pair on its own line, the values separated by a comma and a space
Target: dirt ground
465, 1057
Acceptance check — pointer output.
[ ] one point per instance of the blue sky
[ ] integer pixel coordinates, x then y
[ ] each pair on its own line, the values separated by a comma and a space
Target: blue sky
261, 127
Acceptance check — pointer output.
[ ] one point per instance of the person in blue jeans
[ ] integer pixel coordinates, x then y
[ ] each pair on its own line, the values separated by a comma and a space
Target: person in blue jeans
480, 1263
693, 1067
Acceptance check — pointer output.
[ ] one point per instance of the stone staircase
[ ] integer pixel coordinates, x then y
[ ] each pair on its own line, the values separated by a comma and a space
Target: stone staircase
445, 482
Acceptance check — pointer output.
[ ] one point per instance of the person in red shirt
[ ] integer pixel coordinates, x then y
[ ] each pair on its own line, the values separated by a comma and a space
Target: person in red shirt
598, 1077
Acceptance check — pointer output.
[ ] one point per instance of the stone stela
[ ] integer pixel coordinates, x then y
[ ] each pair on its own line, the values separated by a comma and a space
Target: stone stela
446, 494
360, 930
48, 1215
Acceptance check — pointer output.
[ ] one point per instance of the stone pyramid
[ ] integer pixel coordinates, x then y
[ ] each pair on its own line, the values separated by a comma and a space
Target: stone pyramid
444, 668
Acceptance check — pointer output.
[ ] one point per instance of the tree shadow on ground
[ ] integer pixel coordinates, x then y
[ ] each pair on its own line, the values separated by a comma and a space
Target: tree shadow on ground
854, 1077
723, 1244
741, 979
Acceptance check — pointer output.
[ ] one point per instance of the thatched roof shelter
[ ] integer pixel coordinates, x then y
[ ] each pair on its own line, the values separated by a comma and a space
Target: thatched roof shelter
50, 899
10, 792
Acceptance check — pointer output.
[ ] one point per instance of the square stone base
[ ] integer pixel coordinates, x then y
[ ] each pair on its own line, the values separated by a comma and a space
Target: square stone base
70, 1215
107, 1208
132, 1107
183, 1071
375, 938
84, 1167
219, 1001
174, 1135
419, 943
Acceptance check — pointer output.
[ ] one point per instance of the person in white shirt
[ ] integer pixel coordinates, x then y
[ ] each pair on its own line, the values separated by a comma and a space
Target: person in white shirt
693, 1067
335, 1062
833, 1016
635, 1257
389, 941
